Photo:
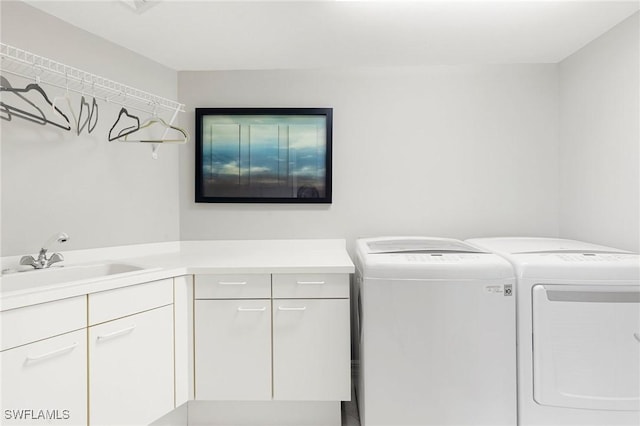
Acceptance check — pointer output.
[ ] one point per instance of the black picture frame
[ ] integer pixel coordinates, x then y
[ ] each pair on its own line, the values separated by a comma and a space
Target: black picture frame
263, 155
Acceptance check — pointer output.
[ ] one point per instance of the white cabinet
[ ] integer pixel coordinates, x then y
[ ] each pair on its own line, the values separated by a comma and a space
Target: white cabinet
43, 363
131, 380
119, 371
293, 347
311, 350
311, 337
307, 286
183, 338
36, 322
233, 349
233, 337
248, 286
252, 347
45, 382
117, 303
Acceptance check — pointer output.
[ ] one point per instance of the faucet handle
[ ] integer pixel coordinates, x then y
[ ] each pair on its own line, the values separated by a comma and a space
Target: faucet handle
55, 257
28, 260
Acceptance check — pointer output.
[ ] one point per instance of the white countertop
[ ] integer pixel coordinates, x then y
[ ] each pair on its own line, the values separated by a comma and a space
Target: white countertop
167, 260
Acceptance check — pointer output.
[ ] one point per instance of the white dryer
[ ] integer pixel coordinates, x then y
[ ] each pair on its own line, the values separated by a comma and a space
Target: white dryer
437, 334
578, 310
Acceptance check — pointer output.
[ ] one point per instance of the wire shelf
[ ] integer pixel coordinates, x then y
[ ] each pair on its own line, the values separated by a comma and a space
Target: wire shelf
25, 64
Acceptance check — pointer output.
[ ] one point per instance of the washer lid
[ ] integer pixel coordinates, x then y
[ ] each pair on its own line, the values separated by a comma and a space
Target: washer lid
428, 258
419, 245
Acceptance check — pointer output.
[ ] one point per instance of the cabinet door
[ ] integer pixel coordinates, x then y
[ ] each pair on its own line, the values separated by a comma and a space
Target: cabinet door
233, 349
311, 349
131, 369
46, 382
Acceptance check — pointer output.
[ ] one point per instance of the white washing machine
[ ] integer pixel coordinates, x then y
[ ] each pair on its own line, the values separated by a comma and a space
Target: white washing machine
578, 310
437, 334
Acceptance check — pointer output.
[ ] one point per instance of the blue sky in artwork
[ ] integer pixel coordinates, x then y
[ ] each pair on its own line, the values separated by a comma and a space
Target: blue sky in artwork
264, 146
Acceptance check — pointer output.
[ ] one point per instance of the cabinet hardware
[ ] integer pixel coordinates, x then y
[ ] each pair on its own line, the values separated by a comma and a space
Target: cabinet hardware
232, 282
116, 333
310, 282
262, 309
283, 308
52, 353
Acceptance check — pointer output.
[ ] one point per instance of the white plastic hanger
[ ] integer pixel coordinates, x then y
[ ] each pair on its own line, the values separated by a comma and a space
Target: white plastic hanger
159, 121
67, 98
155, 120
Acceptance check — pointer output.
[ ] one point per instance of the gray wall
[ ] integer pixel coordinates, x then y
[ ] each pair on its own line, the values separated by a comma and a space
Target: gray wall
446, 151
451, 151
600, 139
101, 193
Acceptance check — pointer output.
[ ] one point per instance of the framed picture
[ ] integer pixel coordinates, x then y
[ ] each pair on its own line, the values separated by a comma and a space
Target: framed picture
263, 155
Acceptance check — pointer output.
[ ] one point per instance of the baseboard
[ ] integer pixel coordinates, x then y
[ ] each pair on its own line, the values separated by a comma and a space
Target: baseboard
264, 413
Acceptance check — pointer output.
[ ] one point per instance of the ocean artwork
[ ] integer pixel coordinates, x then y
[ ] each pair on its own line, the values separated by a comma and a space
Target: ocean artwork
268, 156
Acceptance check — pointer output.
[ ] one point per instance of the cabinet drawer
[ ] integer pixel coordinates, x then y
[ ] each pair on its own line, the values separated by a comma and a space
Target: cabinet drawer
112, 304
48, 375
317, 286
249, 286
37, 322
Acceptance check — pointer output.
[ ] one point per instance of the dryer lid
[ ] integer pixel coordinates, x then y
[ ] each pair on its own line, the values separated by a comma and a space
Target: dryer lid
555, 258
530, 245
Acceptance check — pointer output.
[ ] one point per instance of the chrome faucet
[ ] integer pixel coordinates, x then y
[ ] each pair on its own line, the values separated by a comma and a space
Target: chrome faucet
42, 261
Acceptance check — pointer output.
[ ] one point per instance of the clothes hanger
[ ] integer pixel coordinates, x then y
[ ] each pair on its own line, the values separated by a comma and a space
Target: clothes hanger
30, 116
127, 130
83, 102
67, 98
157, 120
4, 113
6, 86
4, 83
91, 111
83, 124
94, 112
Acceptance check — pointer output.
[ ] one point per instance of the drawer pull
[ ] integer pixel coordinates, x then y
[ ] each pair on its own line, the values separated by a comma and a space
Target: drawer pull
284, 308
232, 282
241, 309
52, 353
116, 333
310, 282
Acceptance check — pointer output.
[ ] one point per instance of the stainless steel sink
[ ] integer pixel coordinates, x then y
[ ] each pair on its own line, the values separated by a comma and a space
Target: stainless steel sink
31, 279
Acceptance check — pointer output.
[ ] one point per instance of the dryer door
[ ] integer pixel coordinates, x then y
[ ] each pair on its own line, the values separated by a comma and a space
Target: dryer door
586, 346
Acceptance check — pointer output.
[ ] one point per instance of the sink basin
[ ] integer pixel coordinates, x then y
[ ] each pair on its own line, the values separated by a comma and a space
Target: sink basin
31, 279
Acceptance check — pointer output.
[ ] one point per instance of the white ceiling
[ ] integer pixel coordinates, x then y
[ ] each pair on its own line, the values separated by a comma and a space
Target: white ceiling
217, 35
